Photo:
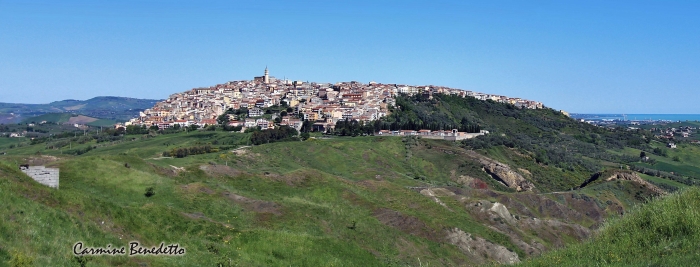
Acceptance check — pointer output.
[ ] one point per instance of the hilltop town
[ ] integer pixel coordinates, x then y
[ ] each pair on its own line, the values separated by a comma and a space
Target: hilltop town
323, 103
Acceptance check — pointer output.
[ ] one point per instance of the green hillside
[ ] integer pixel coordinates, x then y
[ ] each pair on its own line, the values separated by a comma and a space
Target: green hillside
329, 200
50, 117
102, 123
260, 212
662, 233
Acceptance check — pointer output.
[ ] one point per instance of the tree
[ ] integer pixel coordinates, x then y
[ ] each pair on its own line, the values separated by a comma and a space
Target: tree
222, 119
307, 126
305, 136
120, 131
642, 154
134, 129
149, 192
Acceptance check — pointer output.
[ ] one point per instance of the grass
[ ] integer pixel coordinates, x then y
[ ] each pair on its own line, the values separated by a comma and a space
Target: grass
101, 201
659, 180
302, 198
143, 146
102, 123
5, 143
661, 233
51, 117
689, 164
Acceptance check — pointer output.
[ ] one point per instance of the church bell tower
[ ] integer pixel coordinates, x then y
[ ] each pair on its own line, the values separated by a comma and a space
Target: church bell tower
266, 78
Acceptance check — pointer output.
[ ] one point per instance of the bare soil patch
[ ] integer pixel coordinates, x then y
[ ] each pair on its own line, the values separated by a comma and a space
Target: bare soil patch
219, 170
195, 215
371, 185
80, 119
357, 200
40, 160
295, 178
255, 205
197, 188
406, 223
482, 250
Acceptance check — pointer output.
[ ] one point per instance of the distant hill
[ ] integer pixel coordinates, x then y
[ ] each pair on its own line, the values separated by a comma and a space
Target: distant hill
103, 107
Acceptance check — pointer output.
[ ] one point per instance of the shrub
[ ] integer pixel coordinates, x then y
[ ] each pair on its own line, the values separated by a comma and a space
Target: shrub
149, 192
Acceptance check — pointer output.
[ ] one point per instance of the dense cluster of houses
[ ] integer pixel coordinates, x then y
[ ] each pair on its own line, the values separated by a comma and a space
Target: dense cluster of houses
668, 133
323, 103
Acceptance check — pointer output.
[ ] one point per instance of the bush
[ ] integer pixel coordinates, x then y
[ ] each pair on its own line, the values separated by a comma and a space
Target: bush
184, 152
149, 192
273, 135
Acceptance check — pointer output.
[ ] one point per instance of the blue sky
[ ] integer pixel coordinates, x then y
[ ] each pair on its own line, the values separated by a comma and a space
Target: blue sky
580, 56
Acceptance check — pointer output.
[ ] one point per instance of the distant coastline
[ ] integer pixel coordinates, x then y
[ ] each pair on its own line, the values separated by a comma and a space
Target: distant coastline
638, 117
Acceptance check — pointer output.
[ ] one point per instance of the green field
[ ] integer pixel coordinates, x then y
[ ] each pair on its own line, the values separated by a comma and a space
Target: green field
6, 142
102, 123
51, 117
657, 180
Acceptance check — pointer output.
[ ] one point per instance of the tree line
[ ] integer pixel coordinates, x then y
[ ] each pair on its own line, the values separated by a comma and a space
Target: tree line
184, 152
282, 133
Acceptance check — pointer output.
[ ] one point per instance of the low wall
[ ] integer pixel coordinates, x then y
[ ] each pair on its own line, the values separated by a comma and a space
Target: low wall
448, 137
43, 175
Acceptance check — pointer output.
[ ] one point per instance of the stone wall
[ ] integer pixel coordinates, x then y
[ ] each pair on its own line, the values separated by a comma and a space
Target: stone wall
462, 136
43, 175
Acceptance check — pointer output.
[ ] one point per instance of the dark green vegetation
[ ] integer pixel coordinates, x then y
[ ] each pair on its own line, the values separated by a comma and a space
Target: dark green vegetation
419, 112
283, 133
569, 151
104, 107
329, 201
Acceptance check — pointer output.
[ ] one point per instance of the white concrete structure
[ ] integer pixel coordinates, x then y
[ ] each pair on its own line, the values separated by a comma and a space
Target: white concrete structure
43, 175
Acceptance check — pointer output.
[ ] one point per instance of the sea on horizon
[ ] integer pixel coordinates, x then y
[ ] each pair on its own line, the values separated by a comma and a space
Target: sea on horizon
638, 117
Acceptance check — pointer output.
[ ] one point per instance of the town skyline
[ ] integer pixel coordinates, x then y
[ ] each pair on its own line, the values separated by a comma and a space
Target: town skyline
245, 103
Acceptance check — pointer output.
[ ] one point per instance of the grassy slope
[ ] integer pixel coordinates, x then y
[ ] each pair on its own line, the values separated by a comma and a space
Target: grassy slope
321, 187
140, 145
326, 195
661, 233
113, 194
688, 164
102, 123
51, 117
7, 142
658, 180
